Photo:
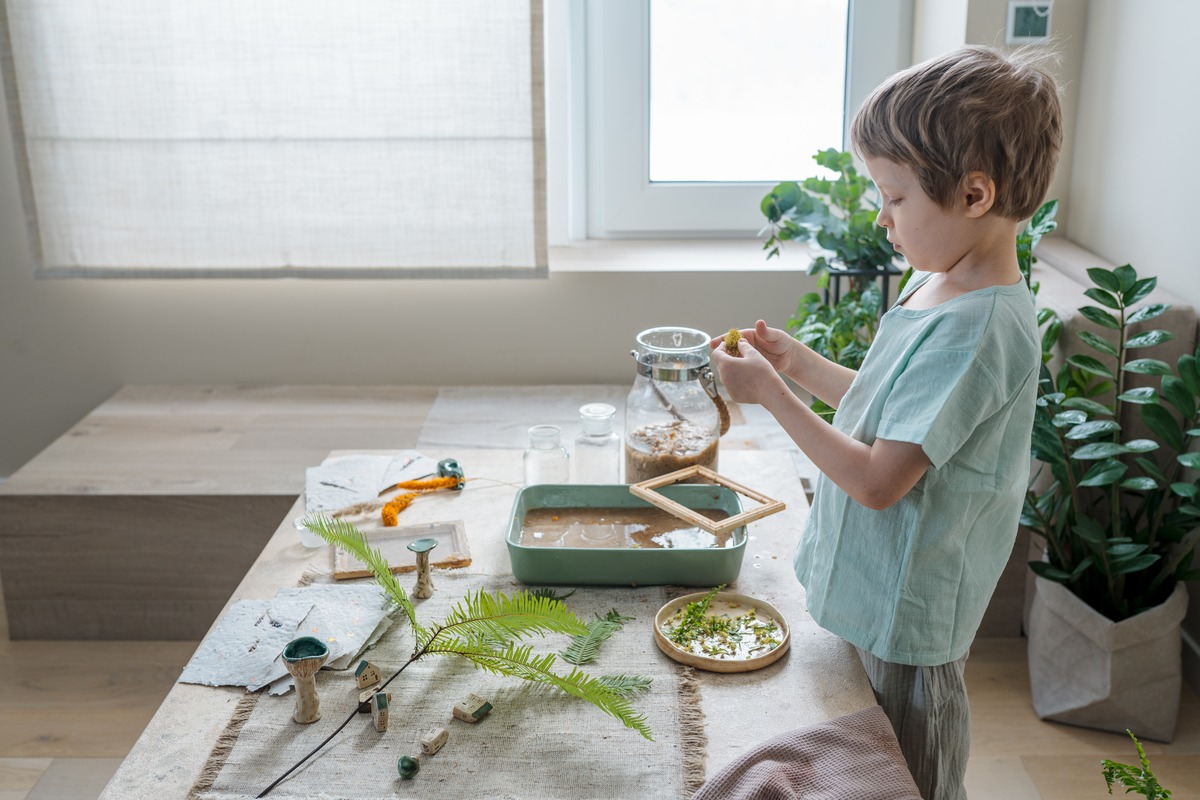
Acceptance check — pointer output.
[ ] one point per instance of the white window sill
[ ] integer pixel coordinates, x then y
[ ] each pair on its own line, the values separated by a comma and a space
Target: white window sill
675, 255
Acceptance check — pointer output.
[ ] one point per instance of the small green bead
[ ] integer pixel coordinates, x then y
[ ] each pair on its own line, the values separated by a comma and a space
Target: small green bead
408, 767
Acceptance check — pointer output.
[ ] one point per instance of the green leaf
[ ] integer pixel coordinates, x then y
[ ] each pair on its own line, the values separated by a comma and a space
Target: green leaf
1090, 406
1098, 343
1146, 313
1099, 450
1103, 473
1100, 317
1089, 364
1104, 279
1103, 298
1093, 428
1149, 339
1089, 530
1148, 366
1190, 460
1150, 468
1065, 419
1178, 395
586, 646
1140, 395
344, 536
1189, 373
1162, 423
1141, 445
1046, 570
1126, 275
1125, 550
624, 685
1139, 290
1182, 489
1141, 483
1136, 565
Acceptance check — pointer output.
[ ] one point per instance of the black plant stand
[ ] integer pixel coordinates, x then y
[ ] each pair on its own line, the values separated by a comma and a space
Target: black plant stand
836, 275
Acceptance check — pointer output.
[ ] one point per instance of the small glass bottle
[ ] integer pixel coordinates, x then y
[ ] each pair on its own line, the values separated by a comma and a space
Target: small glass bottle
597, 448
546, 460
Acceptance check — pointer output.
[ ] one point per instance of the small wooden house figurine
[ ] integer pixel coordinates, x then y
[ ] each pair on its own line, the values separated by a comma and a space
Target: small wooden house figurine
367, 674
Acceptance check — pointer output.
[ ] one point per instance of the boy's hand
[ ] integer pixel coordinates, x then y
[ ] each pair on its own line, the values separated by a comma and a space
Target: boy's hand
747, 378
772, 344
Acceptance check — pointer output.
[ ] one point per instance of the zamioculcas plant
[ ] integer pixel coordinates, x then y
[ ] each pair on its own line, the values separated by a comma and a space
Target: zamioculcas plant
1119, 516
484, 629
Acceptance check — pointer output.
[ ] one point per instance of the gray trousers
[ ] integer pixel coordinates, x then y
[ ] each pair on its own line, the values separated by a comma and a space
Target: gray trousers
928, 709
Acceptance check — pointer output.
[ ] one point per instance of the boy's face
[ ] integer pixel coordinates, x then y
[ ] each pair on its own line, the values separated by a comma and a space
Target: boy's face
931, 238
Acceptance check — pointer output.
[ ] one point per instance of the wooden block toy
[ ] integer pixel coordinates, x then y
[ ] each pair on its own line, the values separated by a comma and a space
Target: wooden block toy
379, 710
473, 709
433, 740
367, 674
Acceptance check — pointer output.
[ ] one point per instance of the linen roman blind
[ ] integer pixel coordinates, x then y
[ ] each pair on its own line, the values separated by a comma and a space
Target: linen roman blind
260, 138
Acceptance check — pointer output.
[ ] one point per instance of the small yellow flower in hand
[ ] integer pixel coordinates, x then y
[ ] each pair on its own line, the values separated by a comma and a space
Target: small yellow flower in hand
731, 341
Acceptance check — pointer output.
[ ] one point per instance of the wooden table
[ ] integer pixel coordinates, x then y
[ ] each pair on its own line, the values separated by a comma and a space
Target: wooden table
819, 679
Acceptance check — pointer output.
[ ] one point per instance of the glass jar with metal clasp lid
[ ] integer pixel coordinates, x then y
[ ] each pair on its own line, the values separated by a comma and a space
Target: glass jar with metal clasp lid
673, 415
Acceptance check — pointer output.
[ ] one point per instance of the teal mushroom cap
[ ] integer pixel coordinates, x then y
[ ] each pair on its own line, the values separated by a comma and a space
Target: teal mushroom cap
422, 545
305, 647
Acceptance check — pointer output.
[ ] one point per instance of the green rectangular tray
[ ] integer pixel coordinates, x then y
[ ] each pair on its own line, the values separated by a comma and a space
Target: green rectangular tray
588, 566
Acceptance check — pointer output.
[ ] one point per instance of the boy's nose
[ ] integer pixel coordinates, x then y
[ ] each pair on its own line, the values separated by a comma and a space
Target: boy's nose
883, 219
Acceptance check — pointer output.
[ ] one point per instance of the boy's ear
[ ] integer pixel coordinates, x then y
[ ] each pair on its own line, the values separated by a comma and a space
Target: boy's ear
977, 193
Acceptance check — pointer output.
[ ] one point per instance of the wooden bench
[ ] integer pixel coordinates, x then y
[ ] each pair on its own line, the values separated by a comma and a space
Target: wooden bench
140, 521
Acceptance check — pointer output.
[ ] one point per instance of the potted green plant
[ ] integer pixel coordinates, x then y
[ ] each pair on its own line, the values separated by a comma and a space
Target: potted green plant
1118, 516
838, 216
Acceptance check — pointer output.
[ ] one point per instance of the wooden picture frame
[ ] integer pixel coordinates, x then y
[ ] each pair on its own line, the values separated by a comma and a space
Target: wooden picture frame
647, 490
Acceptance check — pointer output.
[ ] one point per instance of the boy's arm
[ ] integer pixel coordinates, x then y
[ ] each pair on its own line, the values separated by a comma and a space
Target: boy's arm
874, 475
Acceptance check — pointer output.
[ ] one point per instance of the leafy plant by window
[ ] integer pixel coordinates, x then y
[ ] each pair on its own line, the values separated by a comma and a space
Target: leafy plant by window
837, 214
1119, 516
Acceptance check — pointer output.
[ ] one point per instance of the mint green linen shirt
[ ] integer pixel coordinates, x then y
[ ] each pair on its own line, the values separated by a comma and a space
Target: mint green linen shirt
910, 583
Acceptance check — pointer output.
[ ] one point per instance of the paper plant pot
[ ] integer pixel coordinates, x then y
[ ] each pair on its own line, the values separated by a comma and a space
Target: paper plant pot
1086, 670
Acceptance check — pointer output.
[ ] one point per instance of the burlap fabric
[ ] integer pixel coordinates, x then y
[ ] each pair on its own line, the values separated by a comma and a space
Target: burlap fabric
536, 742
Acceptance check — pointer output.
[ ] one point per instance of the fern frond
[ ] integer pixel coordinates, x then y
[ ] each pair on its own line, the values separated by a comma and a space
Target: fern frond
584, 648
343, 535
521, 662
546, 591
625, 685
500, 617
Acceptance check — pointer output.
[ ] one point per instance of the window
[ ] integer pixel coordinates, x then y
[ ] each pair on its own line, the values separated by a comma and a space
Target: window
669, 83
279, 138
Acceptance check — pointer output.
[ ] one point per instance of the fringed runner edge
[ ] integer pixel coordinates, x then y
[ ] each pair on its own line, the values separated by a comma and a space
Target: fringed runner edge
692, 735
224, 746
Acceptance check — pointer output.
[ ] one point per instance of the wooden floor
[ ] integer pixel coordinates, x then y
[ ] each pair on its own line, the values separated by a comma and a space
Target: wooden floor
69, 712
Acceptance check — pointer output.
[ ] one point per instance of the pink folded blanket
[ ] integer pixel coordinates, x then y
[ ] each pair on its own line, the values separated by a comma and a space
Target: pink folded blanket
855, 756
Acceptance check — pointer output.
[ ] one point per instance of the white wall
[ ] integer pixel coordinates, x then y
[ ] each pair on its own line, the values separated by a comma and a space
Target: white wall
1137, 157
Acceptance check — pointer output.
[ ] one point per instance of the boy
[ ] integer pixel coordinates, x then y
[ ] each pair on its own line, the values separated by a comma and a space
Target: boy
925, 465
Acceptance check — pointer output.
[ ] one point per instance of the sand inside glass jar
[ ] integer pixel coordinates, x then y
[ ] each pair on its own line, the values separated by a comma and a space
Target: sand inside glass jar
658, 449
617, 528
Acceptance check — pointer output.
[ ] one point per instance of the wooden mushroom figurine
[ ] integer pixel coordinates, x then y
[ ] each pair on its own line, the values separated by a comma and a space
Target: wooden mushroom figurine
303, 657
422, 547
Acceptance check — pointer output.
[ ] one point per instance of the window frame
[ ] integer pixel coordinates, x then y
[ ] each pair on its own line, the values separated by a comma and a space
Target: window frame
598, 136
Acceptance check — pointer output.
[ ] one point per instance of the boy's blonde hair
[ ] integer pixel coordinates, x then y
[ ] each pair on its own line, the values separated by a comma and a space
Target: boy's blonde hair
975, 109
